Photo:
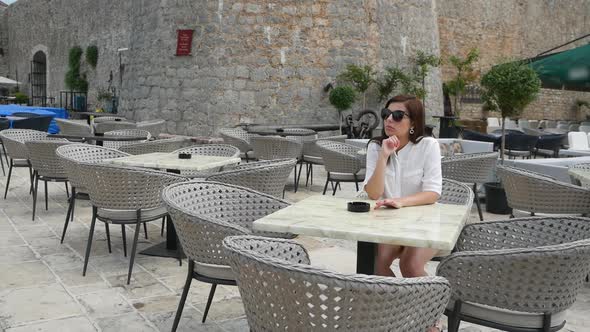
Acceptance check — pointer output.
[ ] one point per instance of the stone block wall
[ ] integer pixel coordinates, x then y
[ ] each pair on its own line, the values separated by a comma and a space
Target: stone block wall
265, 62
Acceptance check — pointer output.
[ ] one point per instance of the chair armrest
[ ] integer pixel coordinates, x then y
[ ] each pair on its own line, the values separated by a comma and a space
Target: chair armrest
544, 279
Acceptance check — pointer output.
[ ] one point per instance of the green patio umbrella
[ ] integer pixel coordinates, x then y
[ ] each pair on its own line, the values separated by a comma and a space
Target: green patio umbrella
569, 70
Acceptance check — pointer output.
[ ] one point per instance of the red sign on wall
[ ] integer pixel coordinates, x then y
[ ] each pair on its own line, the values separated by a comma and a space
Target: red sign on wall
184, 42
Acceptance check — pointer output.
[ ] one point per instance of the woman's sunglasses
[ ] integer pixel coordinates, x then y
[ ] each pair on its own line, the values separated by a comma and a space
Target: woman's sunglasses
397, 115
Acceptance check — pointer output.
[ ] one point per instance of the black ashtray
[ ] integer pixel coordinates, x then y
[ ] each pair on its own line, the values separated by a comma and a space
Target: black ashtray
118, 119
280, 130
359, 207
185, 156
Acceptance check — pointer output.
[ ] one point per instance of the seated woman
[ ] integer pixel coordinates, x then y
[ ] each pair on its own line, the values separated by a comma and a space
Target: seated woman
403, 169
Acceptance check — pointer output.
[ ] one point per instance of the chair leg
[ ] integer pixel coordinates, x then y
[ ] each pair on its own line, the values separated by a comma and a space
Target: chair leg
335, 187
32, 177
326, 185
454, 320
46, 205
89, 244
106, 226
295, 179
307, 173
298, 176
2, 162
124, 240
187, 286
477, 202
5, 154
356, 182
145, 230
67, 221
134, 246
8, 180
311, 173
35, 195
546, 322
67, 190
73, 203
211, 294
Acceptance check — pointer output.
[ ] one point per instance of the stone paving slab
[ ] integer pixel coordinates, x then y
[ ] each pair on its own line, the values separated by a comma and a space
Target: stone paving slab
42, 287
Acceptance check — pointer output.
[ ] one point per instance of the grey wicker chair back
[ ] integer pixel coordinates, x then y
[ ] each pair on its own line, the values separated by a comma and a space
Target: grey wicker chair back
267, 177
74, 154
204, 213
155, 127
44, 159
160, 145
125, 132
303, 136
583, 167
71, 127
103, 127
340, 157
282, 292
532, 192
100, 119
14, 141
218, 150
454, 192
310, 149
529, 265
272, 147
237, 137
469, 168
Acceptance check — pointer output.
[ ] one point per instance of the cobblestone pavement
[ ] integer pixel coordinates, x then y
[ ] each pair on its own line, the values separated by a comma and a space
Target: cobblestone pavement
42, 288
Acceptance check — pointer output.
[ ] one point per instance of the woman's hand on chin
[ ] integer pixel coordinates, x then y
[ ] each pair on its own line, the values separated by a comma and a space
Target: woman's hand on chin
395, 203
390, 145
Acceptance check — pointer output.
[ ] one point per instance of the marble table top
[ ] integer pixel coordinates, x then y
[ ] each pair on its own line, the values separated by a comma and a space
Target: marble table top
434, 226
582, 175
161, 160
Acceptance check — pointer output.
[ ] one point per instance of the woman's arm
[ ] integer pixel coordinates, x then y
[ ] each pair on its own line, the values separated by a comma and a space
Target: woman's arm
376, 163
421, 198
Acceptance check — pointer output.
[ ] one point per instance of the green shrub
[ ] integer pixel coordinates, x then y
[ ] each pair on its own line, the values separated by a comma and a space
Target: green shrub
92, 55
342, 97
21, 98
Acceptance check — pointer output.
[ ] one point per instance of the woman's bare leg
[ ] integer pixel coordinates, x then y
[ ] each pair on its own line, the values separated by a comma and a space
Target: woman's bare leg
413, 260
386, 254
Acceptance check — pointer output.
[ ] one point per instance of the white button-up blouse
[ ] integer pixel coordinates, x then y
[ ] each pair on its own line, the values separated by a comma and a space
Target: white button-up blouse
413, 169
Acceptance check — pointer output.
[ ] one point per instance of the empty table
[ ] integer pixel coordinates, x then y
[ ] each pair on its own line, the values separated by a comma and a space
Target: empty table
434, 226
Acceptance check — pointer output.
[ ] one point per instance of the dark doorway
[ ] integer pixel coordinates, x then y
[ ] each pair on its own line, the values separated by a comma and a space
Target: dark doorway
39, 79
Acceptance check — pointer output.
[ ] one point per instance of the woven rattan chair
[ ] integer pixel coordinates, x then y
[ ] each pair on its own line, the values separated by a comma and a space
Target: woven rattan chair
273, 147
155, 127
71, 156
4, 124
103, 127
582, 166
282, 292
46, 166
519, 274
124, 195
267, 176
312, 156
239, 138
549, 145
342, 162
14, 142
473, 168
38, 122
160, 145
100, 119
456, 193
72, 127
535, 193
125, 132
204, 213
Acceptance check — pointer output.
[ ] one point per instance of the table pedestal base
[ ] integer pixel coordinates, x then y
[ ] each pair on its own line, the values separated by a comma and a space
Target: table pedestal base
167, 248
365, 258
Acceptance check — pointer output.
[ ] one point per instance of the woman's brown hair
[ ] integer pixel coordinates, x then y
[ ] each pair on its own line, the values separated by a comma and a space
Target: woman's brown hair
416, 113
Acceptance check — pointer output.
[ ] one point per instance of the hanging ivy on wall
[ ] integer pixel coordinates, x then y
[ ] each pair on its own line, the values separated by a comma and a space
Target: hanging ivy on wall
92, 55
74, 80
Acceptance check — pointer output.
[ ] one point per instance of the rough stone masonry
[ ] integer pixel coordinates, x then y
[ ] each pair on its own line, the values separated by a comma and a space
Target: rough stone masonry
266, 62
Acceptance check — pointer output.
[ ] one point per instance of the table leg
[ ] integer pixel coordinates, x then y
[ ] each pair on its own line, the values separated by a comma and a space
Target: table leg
365, 258
167, 248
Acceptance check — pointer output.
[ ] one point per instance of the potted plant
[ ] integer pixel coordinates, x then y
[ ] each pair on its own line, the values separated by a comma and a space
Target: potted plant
361, 78
105, 100
579, 106
342, 97
507, 88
